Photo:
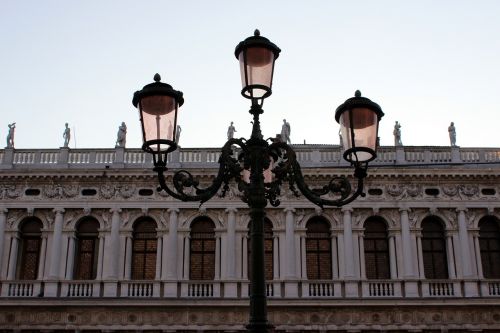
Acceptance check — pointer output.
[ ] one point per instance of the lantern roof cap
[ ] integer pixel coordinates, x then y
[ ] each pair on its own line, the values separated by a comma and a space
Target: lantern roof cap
157, 88
257, 41
358, 102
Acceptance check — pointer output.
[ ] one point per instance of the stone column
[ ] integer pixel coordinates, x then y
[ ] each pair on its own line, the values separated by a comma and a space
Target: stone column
14, 249
335, 254
348, 244
3, 221
171, 245
392, 255
289, 255
111, 260
159, 251
451, 262
420, 254
408, 255
244, 264
361, 256
56, 245
465, 250
231, 244
478, 254
51, 285
71, 257
187, 241
100, 256
351, 286
231, 287
217, 255
128, 239
43, 254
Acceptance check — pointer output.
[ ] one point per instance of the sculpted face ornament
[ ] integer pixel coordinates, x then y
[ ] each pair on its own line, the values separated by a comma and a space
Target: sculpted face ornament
260, 167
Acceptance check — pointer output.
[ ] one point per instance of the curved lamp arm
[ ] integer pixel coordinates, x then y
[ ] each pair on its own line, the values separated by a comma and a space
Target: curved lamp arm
288, 169
229, 168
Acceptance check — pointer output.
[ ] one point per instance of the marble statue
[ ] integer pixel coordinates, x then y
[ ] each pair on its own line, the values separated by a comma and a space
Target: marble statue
66, 135
453, 134
178, 134
397, 134
121, 137
285, 132
230, 131
10, 135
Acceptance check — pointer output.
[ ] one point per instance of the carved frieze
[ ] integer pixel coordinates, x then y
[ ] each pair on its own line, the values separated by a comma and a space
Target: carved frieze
9, 192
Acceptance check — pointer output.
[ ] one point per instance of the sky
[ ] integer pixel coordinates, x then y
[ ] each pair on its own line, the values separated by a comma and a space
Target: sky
426, 63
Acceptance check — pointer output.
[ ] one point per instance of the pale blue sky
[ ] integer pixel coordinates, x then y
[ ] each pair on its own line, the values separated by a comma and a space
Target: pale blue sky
426, 63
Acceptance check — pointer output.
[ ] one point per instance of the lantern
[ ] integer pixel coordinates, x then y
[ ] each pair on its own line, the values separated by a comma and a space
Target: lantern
358, 118
256, 55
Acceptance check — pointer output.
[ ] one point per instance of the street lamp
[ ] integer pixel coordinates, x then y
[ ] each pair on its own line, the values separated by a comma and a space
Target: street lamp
158, 105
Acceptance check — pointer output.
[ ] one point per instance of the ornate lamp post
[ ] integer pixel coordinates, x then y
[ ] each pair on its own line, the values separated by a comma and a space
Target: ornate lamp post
158, 104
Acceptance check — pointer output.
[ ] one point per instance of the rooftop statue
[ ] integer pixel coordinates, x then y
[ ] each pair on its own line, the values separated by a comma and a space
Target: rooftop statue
397, 134
285, 132
10, 135
121, 137
178, 134
66, 135
230, 131
453, 134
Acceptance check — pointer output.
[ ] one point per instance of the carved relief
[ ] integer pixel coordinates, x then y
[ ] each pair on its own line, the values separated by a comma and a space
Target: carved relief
404, 191
392, 217
107, 191
359, 217
450, 216
469, 191
9, 192
58, 191
126, 191
450, 190
14, 216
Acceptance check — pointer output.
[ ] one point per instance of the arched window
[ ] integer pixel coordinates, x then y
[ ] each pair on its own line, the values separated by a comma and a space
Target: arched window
202, 250
144, 250
318, 249
489, 244
87, 248
31, 240
268, 250
376, 246
434, 249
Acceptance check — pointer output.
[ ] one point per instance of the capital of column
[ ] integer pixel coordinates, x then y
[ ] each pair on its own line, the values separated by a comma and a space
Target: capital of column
231, 210
461, 210
347, 209
289, 209
58, 210
449, 233
3, 210
115, 210
173, 211
404, 209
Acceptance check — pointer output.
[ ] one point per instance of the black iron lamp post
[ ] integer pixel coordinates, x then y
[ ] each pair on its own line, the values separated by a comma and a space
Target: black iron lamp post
158, 104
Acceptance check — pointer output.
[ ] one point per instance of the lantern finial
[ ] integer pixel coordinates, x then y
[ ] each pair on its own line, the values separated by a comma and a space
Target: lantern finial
357, 93
256, 32
157, 77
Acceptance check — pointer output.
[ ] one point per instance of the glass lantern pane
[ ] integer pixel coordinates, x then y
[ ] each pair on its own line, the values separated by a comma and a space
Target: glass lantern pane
258, 70
158, 117
365, 123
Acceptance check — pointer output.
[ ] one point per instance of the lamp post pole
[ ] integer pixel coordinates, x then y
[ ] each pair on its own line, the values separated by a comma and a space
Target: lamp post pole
158, 105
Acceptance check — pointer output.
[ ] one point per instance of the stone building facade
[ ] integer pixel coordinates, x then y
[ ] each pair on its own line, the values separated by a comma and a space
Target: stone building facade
88, 244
